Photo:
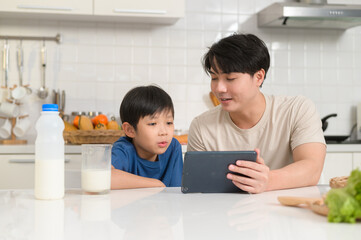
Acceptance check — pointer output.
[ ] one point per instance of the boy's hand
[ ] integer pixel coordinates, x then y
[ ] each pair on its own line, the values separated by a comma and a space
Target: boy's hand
257, 172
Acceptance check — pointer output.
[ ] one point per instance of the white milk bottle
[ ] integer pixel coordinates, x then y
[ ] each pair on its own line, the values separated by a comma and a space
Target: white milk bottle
49, 154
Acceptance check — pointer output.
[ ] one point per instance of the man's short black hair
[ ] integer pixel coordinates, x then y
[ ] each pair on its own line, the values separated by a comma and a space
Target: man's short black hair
144, 101
244, 53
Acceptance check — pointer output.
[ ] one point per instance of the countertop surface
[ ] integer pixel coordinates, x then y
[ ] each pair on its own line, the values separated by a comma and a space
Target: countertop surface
76, 149
165, 213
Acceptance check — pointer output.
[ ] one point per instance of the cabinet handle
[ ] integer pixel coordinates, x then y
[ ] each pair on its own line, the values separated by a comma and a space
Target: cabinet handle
140, 11
45, 8
30, 160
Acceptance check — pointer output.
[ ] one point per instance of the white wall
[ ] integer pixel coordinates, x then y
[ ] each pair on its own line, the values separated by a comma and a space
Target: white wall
97, 63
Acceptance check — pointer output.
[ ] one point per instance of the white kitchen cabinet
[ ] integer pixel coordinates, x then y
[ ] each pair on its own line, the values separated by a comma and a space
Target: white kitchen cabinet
17, 171
140, 10
356, 163
47, 6
151, 11
336, 165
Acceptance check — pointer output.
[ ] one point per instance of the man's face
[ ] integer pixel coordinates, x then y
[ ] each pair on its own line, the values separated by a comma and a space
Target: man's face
153, 135
235, 91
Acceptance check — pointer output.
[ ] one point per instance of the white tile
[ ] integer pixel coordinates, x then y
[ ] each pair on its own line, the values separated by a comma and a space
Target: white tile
280, 58
212, 21
346, 77
297, 76
313, 76
177, 74
68, 53
86, 72
177, 56
141, 36
281, 76
178, 92
329, 94
329, 76
195, 39
313, 59
105, 34
105, 73
86, 54
123, 55
194, 75
123, 73
195, 21
229, 6
140, 74
104, 91
230, 22
194, 57
105, 54
141, 55
345, 60
177, 38
246, 7
214, 6
211, 37
297, 59
346, 43
329, 59
159, 37
159, 56
123, 36
159, 75
195, 6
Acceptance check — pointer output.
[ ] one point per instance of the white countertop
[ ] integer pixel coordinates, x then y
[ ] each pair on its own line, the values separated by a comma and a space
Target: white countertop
76, 149
165, 213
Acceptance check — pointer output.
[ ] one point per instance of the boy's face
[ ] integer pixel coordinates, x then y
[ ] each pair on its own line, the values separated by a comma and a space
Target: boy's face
153, 135
235, 91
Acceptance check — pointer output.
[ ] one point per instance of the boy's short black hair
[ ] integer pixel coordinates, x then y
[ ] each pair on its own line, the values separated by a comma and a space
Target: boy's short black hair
244, 53
144, 101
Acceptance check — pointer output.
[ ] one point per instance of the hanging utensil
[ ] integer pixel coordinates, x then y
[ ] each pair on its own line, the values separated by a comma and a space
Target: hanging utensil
43, 91
62, 101
19, 91
4, 88
6, 62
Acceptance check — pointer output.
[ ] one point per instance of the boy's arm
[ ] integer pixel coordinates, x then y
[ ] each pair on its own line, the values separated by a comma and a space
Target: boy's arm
123, 180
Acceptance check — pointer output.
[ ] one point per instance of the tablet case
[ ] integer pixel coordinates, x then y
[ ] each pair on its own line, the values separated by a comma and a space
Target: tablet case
205, 172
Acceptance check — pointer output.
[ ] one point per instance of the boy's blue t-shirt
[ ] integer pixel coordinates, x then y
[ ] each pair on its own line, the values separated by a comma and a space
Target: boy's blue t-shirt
167, 169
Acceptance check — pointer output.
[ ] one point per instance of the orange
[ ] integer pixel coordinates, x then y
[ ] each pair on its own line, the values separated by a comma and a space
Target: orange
76, 121
101, 118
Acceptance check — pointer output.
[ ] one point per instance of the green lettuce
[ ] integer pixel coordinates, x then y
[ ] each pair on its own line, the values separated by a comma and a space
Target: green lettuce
345, 203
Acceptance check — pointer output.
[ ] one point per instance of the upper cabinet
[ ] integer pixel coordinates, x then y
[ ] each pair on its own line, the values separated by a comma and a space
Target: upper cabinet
136, 10
150, 11
50, 6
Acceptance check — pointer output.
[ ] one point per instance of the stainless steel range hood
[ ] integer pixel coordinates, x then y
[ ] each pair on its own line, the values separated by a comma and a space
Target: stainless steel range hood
304, 15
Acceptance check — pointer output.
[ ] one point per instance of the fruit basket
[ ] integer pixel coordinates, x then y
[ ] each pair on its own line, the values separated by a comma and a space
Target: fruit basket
92, 136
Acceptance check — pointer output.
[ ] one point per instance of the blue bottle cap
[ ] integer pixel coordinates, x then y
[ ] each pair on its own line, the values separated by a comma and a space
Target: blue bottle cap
50, 107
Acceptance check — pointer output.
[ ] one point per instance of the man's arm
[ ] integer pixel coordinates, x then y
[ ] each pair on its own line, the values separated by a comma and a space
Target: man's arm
305, 171
124, 180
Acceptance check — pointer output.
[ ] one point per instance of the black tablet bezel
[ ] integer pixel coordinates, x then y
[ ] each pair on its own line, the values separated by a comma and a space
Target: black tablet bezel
205, 172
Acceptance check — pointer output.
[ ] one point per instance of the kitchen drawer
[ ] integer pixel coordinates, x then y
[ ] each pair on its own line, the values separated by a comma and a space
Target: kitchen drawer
17, 171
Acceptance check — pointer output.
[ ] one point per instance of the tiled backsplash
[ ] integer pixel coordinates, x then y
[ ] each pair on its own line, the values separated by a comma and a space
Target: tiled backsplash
97, 63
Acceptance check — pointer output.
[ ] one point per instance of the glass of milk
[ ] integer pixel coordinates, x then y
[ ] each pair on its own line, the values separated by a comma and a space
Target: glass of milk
96, 164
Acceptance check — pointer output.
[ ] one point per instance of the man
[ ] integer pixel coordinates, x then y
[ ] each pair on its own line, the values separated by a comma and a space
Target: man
285, 131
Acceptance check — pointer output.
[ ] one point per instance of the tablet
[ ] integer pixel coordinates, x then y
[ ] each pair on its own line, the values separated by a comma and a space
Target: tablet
205, 172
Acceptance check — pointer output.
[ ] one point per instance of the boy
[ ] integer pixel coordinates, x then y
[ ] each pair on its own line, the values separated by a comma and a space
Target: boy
286, 130
148, 156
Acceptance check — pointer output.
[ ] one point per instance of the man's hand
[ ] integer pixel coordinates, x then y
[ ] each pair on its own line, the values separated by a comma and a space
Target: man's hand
257, 172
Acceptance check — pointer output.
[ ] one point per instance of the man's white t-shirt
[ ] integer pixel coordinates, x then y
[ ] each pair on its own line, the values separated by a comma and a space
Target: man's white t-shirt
288, 121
